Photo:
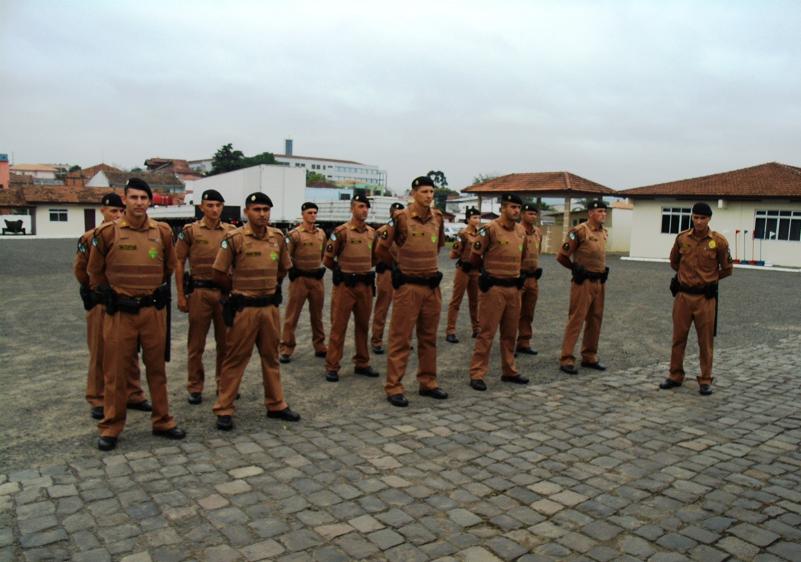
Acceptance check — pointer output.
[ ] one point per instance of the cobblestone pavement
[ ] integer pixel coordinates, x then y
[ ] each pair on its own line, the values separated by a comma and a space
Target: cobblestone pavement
591, 468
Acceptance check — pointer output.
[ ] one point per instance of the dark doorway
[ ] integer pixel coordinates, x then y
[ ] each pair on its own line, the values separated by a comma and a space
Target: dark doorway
88, 219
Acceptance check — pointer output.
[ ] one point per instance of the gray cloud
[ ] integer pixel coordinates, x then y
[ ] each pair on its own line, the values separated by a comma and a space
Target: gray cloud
624, 93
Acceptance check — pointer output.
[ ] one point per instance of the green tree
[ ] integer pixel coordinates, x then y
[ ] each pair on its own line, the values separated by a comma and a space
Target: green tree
75, 168
481, 178
438, 178
315, 178
263, 158
226, 159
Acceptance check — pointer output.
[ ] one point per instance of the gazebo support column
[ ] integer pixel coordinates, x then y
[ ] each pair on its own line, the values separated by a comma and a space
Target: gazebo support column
566, 217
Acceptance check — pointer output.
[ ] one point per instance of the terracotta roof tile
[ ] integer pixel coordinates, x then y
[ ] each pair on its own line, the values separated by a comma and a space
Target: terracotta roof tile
550, 183
763, 181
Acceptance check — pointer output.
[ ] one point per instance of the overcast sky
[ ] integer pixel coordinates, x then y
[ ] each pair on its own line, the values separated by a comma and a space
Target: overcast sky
622, 93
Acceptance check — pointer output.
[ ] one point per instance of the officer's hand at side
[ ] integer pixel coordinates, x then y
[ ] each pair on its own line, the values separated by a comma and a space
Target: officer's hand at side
183, 305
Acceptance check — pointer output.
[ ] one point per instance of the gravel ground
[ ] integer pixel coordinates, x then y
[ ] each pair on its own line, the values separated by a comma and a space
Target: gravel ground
45, 419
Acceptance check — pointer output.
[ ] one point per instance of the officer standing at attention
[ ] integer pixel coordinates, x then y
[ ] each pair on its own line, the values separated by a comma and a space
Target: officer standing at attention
465, 277
349, 254
586, 244
701, 258
384, 289
197, 293
532, 272
257, 258
306, 245
501, 246
130, 263
111, 208
418, 232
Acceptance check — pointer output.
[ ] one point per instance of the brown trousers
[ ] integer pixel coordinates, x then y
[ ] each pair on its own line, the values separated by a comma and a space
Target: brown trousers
463, 282
345, 301
383, 298
528, 302
204, 309
499, 306
587, 309
122, 334
300, 290
253, 325
413, 306
94, 377
689, 309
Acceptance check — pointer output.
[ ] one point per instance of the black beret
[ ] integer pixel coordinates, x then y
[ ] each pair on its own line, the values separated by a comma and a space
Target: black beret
396, 207
422, 180
308, 205
361, 198
511, 198
112, 200
596, 204
702, 209
530, 207
140, 184
212, 195
472, 211
258, 198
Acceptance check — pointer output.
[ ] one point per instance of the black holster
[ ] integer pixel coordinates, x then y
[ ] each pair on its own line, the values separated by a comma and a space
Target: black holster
674, 286
535, 273
90, 298
187, 284
232, 304
465, 266
579, 274
381, 267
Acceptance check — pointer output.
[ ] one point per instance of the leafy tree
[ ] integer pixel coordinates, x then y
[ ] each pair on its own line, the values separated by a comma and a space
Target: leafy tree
137, 169
226, 159
481, 178
438, 178
75, 168
263, 158
315, 178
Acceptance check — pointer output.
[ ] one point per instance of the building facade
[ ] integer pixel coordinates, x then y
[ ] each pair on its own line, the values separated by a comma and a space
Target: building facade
757, 209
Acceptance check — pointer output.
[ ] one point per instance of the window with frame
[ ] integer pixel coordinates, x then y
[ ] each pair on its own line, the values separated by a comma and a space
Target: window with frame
676, 219
777, 225
58, 215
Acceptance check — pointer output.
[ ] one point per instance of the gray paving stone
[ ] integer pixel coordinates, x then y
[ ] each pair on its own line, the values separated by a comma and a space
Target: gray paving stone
754, 535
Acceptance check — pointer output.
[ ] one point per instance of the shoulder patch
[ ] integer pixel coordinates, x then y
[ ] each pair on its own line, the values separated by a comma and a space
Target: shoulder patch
329, 248
391, 222
571, 235
333, 236
224, 244
566, 247
82, 248
181, 235
482, 231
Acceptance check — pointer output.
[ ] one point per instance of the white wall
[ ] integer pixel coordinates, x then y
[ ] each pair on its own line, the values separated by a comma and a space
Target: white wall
620, 231
74, 226
285, 186
647, 241
26, 222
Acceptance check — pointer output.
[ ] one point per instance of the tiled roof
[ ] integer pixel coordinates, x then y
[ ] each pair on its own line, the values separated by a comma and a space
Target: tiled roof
34, 168
154, 179
765, 180
27, 195
551, 183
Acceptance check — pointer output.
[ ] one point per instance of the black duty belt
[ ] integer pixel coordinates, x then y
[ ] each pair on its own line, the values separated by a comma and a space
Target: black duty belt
132, 305
90, 298
381, 267
399, 278
294, 273
203, 284
487, 281
259, 302
710, 290
353, 279
580, 275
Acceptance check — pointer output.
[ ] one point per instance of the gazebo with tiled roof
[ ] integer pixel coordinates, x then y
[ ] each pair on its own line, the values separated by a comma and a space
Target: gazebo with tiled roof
542, 184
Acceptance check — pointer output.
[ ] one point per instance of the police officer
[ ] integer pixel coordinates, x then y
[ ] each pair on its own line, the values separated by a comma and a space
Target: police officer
130, 263
384, 289
499, 249
111, 209
586, 244
465, 278
306, 246
349, 254
257, 258
197, 293
418, 232
532, 271
701, 258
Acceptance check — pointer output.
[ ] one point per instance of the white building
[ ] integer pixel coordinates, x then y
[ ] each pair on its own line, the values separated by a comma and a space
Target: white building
757, 209
36, 171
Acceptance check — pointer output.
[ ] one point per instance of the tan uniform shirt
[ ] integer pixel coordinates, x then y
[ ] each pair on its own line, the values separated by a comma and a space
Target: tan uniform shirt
257, 264
81, 260
700, 260
419, 234
502, 246
351, 246
531, 259
306, 247
587, 246
200, 243
463, 245
134, 261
